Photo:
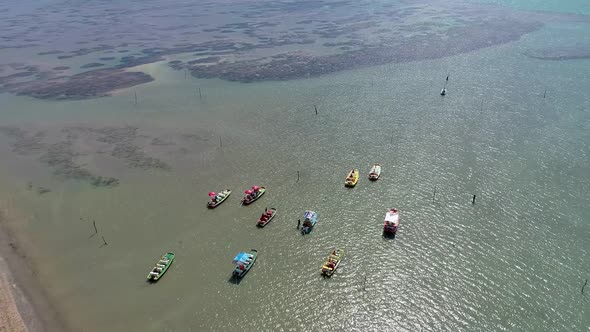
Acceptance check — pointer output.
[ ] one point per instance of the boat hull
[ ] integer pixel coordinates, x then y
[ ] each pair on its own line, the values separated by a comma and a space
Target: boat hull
241, 273
391, 223
390, 230
153, 278
310, 219
355, 178
337, 259
212, 205
375, 172
250, 201
262, 223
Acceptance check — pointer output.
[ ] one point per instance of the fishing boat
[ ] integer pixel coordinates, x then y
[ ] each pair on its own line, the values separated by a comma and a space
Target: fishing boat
253, 194
310, 218
375, 172
244, 262
391, 221
352, 178
161, 267
266, 217
332, 262
218, 198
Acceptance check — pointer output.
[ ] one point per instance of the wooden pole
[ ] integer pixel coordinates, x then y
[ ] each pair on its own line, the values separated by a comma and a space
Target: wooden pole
135, 94
473, 202
104, 242
316, 110
95, 229
434, 194
544, 93
586, 283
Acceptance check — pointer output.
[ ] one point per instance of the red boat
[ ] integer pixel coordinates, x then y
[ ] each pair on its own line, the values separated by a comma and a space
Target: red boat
391, 221
266, 217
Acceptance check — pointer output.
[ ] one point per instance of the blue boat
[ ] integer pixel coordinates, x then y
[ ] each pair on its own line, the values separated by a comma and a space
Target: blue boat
244, 262
310, 218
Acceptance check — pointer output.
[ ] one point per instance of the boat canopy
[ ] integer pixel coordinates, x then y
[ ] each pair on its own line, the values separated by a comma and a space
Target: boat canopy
309, 215
240, 257
391, 217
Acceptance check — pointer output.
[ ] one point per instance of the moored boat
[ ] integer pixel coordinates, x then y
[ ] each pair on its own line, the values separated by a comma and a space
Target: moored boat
266, 217
161, 267
253, 194
391, 222
375, 172
218, 198
352, 178
332, 262
310, 218
244, 262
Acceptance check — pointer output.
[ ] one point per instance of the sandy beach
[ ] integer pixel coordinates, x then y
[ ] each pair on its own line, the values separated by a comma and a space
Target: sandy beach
24, 305
10, 318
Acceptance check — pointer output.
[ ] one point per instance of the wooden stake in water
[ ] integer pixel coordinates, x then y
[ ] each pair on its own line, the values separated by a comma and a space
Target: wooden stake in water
220, 143
200, 95
586, 283
473, 202
297, 176
316, 110
135, 94
434, 194
104, 242
544, 93
95, 230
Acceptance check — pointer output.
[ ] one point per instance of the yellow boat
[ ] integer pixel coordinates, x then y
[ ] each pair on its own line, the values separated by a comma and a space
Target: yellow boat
352, 178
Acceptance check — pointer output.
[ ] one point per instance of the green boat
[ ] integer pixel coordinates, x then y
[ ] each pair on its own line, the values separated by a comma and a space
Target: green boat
332, 262
218, 198
161, 267
244, 262
253, 194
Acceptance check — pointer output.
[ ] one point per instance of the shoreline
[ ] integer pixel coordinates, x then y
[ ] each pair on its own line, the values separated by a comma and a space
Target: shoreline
29, 308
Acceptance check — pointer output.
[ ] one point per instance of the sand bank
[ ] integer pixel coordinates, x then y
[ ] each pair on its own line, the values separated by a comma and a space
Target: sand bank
24, 304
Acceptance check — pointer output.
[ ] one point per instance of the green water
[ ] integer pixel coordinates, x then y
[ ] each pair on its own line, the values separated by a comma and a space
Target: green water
515, 260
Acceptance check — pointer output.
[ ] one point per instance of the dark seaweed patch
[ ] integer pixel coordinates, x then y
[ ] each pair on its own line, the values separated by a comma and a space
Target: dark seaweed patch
92, 65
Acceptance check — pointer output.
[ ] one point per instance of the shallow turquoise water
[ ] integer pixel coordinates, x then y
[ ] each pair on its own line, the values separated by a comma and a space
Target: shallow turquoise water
515, 260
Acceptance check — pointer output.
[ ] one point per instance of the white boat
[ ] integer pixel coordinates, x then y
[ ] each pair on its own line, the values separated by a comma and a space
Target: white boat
391, 221
375, 172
